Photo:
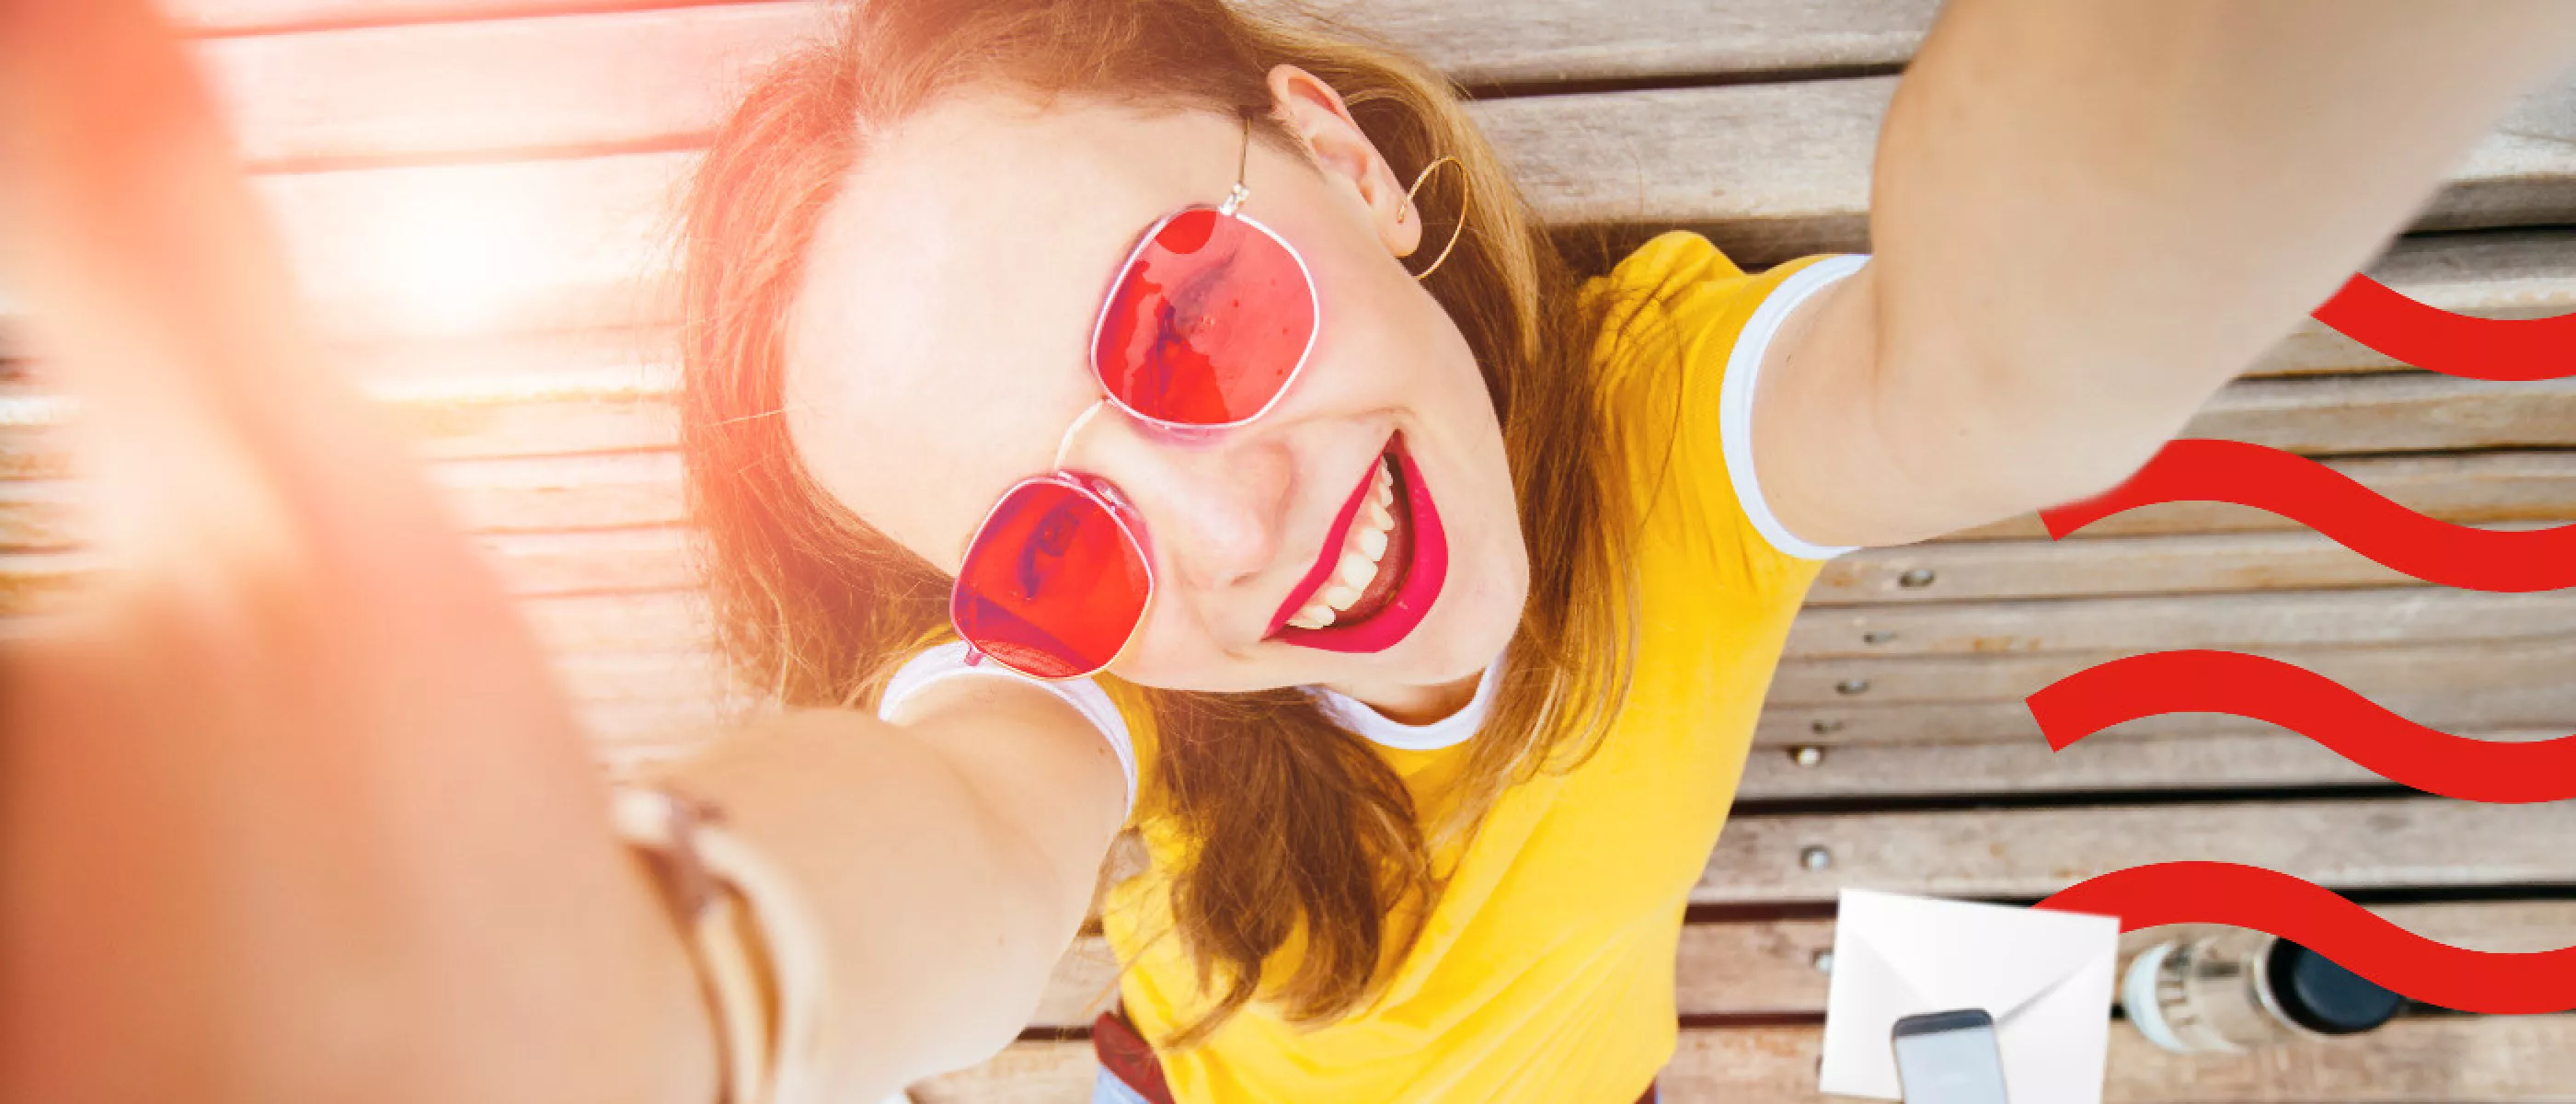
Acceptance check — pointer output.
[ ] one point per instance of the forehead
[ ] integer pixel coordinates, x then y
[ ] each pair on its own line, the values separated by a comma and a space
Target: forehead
938, 347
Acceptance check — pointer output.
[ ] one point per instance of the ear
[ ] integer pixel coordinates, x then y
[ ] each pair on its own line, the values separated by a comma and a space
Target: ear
1348, 160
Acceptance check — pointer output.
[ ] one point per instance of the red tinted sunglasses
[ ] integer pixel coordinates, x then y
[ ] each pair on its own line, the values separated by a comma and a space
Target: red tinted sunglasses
1207, 323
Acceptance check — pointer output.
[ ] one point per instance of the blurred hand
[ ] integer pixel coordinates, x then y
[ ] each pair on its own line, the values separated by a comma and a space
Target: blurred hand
290, 810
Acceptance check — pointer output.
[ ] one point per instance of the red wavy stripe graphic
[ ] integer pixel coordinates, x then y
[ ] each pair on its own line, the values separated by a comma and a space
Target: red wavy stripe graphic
2332, 503
2453, 344
2285, 694
2318, 919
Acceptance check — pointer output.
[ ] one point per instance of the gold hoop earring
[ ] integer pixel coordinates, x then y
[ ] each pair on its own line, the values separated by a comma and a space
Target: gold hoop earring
1466, 185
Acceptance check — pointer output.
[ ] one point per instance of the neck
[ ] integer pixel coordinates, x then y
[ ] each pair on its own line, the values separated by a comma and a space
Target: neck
1413, 705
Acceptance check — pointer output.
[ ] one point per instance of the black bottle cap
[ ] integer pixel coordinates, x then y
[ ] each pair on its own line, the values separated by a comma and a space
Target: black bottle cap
2324, 997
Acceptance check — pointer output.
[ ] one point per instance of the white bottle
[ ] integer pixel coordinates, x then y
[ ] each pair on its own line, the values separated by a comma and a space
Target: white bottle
2238, 989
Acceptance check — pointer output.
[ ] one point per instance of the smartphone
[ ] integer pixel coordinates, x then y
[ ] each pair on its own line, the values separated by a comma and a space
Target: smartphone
1949, 1058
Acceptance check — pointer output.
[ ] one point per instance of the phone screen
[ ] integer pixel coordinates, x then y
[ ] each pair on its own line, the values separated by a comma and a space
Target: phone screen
1951, 1059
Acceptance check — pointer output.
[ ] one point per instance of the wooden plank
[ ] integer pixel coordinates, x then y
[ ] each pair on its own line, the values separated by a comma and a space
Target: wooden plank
611, 560
1771, 968
2392, 669
514, 395
573, 492
2522, 274
1694, 157
1513, 41
443, 250
2105, 763
2542, 705
562, 243
2493, 1059
2488, 1059
495, 89
205, 18
2377, 843
590, 562
2468, 488
667, 621
662, 78
544, 494
2268, 619
1951, 570
684, 679
2399, 411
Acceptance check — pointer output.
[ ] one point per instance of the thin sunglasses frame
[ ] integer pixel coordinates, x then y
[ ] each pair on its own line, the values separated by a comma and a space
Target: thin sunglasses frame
1230, 208
1100, 491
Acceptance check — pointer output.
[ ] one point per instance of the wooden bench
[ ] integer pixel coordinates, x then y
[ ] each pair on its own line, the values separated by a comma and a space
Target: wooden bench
477, 194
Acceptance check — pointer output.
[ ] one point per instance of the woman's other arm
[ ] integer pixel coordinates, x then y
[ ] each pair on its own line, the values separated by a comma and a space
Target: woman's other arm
292, 811
951, 860
2086, 218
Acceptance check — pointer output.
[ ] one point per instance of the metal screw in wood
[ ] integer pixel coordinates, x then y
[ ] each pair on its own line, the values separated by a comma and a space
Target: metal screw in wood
1878, 636
1815, 858
1916, 579
1825, 727
1824, 961
1807, 755
1849, 687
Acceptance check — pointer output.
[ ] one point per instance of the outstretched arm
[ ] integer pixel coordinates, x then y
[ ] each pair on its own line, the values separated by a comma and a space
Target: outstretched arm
293, 811
2086, 218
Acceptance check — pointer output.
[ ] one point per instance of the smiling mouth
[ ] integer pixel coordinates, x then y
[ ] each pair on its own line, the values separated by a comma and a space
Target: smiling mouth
1383, 564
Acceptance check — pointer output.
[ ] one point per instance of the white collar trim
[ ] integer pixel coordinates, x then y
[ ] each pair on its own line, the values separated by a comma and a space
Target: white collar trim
1446, 732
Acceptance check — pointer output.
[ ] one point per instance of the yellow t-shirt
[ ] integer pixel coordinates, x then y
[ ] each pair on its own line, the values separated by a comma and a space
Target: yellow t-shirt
1545, 973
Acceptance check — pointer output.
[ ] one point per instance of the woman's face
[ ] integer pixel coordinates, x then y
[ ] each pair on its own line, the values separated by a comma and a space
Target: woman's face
940, 351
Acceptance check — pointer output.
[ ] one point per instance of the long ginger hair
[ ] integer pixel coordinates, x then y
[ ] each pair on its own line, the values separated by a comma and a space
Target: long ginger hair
1293, 819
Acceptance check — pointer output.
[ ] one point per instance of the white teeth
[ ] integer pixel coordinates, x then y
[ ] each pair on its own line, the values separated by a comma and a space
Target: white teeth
1356, 569
1362, 549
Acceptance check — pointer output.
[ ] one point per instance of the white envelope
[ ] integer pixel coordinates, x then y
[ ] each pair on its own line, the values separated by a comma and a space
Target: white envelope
2044, 976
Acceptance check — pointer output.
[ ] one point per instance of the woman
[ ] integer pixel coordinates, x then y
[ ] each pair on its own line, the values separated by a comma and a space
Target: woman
1406, 603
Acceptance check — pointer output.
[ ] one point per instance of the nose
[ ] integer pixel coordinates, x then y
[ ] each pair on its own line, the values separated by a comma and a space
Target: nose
1213, 510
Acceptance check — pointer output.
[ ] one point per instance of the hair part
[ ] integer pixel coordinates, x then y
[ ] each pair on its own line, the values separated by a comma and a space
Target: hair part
1293, 820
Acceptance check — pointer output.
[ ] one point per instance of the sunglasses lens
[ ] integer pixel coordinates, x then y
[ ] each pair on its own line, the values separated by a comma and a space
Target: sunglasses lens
1053, 586
1207, 324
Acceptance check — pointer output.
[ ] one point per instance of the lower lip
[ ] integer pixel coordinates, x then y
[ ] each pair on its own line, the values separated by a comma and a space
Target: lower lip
1412, 600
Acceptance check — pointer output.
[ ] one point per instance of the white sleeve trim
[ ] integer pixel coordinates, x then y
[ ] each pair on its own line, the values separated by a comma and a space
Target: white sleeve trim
948, 661
1735, 398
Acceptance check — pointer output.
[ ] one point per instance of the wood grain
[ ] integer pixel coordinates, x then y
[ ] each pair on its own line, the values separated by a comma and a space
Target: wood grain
2426, 842
2466, 488
2105, 764
2268, 619
2408, 668
1515, 41
2459, 709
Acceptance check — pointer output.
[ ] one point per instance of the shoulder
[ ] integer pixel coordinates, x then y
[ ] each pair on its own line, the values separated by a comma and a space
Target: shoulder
1109, 715
1680, 289
1683, 335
